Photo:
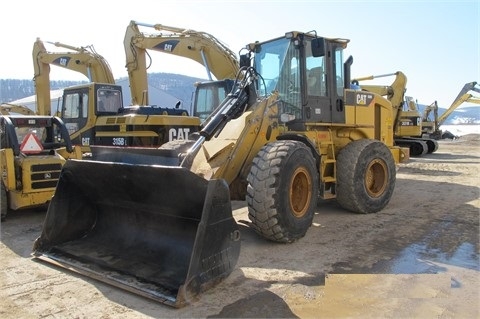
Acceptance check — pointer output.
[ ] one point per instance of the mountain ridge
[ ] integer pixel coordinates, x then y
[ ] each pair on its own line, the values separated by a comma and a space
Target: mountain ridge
182, 87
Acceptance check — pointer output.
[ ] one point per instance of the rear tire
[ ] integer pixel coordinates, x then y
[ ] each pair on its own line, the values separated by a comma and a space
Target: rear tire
3, 203
366, 176
282, 191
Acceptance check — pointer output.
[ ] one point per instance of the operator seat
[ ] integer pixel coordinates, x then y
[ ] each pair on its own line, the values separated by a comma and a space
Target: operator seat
315, 82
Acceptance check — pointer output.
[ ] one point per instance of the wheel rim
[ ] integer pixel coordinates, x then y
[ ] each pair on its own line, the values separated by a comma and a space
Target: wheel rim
300, 192
376, 178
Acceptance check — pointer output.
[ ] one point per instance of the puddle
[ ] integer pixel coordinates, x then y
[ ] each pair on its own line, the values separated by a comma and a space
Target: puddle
448, 243
418, 258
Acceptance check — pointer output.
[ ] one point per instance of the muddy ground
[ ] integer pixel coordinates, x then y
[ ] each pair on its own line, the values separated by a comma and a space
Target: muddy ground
418, 258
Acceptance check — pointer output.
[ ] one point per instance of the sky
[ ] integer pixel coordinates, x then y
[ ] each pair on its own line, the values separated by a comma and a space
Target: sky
435, 43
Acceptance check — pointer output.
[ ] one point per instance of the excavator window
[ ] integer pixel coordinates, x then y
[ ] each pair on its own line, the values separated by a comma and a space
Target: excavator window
71, 105
101, 106
108, 101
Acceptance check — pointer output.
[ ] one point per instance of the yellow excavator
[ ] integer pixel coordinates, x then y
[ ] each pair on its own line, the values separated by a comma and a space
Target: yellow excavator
408, 119
34, 144
159, 222
94, 112
431, 126
220, 62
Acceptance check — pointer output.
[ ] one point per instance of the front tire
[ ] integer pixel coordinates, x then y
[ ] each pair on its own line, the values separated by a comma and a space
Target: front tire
282, 191
366, 176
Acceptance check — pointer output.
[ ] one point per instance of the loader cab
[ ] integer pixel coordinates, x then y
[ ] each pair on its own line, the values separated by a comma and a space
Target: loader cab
309, 75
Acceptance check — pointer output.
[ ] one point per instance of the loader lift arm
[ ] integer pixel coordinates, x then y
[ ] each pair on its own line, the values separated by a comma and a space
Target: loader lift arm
231, 107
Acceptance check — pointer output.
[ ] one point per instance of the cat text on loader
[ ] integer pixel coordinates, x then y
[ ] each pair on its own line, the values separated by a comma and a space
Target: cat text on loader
159, 222
33, 151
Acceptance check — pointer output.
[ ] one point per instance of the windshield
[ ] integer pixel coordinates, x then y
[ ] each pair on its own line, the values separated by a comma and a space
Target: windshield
109, 101
277, 63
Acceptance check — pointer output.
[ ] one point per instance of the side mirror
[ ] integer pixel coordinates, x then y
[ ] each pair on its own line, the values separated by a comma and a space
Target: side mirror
318, 47
244, 60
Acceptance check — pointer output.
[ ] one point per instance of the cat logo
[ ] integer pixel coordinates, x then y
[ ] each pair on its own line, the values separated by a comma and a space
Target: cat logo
178, 133
62, 61
167, 46
363, 99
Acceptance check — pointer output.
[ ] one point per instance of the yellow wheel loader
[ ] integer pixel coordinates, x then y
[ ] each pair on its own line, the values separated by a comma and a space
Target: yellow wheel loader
159, 223
33, 150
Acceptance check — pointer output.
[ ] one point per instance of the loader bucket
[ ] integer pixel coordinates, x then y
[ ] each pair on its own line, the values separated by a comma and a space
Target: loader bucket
157, 231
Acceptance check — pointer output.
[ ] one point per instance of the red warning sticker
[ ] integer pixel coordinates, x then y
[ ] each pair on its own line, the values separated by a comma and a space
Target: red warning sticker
31, 144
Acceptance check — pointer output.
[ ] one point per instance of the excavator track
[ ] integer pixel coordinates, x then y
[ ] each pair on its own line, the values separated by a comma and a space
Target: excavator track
417, 147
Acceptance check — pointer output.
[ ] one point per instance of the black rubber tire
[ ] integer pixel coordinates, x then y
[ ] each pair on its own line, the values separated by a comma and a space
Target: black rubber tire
282, 191
366, 176
3, 203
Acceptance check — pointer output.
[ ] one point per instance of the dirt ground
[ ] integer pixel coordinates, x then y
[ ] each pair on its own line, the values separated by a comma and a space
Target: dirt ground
418, 258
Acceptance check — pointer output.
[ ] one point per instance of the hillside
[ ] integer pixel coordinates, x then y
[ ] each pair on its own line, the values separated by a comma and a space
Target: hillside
181, 87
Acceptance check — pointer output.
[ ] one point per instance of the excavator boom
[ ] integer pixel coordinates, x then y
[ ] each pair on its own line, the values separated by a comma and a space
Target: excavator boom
84, 60
462, 97
9, 108
199, 46
431, 124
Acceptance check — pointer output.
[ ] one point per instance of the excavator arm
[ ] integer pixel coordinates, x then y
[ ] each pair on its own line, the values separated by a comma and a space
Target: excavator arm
9, 109
201, 47
462, 97
428, 110
84, 60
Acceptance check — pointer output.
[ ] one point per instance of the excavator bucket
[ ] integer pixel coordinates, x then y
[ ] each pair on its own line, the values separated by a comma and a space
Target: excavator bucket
155, 230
